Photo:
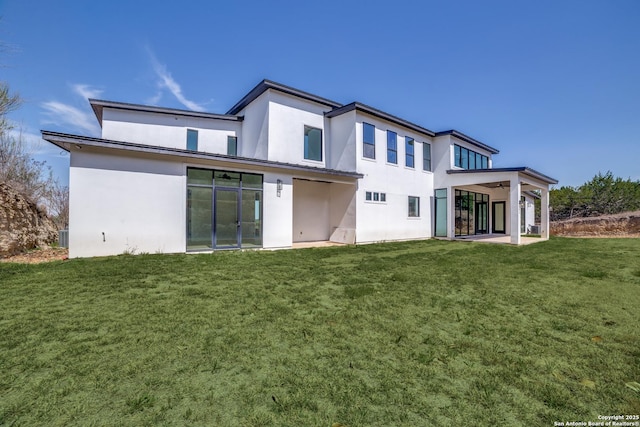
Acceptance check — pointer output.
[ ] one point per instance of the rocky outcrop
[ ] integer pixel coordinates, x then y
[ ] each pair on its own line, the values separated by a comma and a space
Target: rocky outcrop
23, 225
618, 225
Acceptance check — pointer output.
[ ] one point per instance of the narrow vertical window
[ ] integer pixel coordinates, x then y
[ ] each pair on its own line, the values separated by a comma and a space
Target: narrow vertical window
414, 207
464, 163
409, 155
192, 139
485, 162
232, 145
458, 156
368, 141
426, 157
367, 195
392, 147
312, 143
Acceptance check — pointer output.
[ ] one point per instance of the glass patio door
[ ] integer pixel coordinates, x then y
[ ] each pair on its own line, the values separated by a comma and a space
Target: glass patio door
482, 218
498, 217
227, 218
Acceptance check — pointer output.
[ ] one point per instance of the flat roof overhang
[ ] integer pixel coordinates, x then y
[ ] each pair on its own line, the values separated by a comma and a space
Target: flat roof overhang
75, 143
497, 174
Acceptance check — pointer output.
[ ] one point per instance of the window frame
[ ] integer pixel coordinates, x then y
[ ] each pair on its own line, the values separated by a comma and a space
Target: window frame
231, 138
306, 154
191, 134
393, 150
366, 143
410, 211
409, 142
426, 160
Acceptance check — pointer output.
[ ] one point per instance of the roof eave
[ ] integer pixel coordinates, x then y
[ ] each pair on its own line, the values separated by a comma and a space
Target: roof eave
466, 138
67, 141
98, 106
522, 169
265, 85
358, 106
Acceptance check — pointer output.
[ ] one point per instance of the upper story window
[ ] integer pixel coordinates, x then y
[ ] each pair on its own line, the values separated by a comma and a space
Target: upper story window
409, 155
426, 156
392, 147
368, 141
192, 139
469, 159
312, 143
232, 145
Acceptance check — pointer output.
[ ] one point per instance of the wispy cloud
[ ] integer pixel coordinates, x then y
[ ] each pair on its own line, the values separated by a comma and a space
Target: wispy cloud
166, 81
68, 116
154, 100
86, 91
63, 114
36, 146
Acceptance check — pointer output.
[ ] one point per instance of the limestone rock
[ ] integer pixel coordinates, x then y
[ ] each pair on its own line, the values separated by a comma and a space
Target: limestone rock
23, 225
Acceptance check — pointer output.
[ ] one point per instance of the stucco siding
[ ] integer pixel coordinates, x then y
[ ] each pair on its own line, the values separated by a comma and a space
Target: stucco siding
168, 131
123, 204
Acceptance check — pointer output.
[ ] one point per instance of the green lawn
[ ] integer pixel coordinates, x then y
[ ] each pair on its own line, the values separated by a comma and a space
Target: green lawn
399, 334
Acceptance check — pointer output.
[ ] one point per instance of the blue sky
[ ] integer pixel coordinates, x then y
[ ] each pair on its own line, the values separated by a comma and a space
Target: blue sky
554, 85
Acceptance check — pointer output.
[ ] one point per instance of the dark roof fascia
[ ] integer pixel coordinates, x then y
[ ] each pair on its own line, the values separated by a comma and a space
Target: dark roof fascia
525, 170
379, 114
532, 194
265, 85
461, 136
62, 140
99, 104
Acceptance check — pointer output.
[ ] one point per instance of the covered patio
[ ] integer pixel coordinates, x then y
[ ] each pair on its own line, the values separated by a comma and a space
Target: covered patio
490, 204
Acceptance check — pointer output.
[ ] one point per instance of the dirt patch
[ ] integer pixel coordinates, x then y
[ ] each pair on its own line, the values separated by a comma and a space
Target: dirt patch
38, 256
619, 225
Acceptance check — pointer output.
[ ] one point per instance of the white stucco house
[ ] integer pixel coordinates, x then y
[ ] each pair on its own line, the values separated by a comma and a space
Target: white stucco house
284, 166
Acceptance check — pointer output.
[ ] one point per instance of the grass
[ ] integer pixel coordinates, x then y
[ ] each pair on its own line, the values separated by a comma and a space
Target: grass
405, 334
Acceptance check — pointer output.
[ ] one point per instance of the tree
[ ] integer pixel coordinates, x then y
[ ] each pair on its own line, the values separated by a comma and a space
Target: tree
8, 103
603, 194
18, 169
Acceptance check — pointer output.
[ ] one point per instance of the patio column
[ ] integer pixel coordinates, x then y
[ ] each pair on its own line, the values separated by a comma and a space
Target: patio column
544, 213
451, 213
514, 210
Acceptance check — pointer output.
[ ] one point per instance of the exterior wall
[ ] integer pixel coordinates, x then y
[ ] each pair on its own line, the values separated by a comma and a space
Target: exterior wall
380, 221
441, 159
311, 211
530, 212
341, 149
277, 211
168, 131
139, 205
287, 118
255, 129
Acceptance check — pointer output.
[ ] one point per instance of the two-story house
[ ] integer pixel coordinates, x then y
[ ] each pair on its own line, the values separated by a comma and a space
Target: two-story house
283, 166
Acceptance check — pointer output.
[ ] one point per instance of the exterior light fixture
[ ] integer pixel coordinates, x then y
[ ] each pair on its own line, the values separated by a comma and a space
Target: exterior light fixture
279, 186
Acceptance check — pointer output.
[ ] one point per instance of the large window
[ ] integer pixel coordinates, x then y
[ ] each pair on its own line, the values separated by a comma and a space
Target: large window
392, 147
414, 206
468, 159
409, 153
368, 141
426, 157
312, 143
232, 145
192, 139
